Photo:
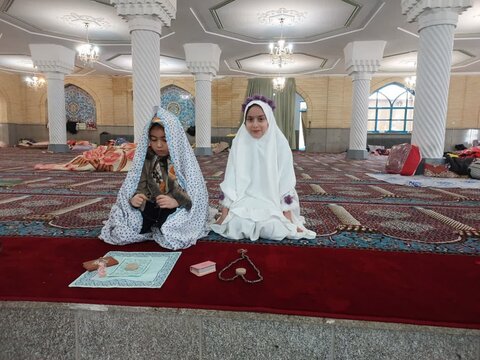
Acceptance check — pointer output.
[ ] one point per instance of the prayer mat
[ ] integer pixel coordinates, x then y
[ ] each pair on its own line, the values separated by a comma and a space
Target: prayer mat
134, 270
425, 181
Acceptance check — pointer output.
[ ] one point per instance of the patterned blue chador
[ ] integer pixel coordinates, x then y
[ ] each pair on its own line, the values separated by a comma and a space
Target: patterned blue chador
182, 228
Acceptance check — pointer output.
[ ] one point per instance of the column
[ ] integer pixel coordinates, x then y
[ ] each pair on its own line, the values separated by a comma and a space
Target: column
55, 61
203, 60
362, 59
145, 20
437, 20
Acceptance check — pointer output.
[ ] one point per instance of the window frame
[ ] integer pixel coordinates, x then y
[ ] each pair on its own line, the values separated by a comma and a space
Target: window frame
391, 110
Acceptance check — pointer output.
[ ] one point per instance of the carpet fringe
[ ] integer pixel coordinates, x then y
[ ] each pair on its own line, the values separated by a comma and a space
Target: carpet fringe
317, 189
458, 197
385, 193
349, 223
354, 178
17, 198
463, 229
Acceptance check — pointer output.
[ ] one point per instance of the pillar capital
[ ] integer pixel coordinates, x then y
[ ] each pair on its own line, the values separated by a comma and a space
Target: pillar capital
54, 75
361, 75
363, 56
202, 67
202, 58
163, 10
204, 76
50, 58
147, 23
434, 12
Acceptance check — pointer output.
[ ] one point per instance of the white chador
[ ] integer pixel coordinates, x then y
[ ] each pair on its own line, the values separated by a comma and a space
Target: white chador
259, 186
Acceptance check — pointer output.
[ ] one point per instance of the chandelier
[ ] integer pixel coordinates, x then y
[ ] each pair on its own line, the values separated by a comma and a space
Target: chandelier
35, 82
411, 82
280, 52
278, 83
88, 53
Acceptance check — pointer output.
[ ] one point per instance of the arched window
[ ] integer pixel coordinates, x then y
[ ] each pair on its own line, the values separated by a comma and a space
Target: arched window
390, 109
80, 108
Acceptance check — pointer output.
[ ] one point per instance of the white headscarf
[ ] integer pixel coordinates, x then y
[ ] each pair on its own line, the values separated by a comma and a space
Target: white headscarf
183, 228
259, 169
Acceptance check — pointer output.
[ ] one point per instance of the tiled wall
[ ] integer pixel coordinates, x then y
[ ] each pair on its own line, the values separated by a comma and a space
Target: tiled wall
80, 107
180, 103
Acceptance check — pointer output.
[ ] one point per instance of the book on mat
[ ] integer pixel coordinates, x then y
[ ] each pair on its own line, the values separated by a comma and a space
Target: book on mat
203, 268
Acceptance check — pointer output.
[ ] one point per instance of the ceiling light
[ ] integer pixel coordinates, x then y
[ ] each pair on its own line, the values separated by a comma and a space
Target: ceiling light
280, 52
278, 83
411, 81
88, 53
35, 82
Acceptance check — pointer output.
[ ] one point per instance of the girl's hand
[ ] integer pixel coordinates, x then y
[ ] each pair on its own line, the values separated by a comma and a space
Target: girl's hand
137, 200
166, 202
288, 215
222, 216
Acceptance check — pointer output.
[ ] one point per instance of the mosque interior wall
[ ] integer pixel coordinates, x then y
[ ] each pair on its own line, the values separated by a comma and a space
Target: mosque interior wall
23, 111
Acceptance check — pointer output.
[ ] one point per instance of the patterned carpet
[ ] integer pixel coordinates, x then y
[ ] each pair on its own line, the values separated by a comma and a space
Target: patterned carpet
346, 207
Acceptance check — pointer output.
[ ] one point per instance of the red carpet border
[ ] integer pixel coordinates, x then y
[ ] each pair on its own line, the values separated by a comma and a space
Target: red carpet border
424, 289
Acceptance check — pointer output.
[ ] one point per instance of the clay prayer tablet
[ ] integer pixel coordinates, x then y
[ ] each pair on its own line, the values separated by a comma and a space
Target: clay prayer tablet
131, 266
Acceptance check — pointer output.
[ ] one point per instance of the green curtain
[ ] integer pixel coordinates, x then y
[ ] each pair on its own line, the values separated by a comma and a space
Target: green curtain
284, 101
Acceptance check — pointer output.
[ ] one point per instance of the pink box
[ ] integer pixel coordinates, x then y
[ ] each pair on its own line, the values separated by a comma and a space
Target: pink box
203, 268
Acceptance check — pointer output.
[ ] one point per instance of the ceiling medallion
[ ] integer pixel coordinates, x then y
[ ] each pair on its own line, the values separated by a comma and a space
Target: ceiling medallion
290, 17
74, 19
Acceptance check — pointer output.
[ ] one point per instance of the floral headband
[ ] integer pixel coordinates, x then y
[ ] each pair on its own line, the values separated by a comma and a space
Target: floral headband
266, 100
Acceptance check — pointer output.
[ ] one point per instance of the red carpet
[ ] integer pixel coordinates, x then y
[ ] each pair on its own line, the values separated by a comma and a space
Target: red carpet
428, 289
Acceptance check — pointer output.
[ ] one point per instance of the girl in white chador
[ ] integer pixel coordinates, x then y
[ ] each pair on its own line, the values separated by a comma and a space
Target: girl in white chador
163, 197
259, 198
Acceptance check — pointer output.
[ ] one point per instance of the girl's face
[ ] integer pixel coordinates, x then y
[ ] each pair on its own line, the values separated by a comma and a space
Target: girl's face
256, 122
158, 141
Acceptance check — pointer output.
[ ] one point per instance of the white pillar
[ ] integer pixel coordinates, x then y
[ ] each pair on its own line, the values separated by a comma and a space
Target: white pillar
145, 20
437, 20
203, 113
362, 59
203, 60
55, 61
359, 123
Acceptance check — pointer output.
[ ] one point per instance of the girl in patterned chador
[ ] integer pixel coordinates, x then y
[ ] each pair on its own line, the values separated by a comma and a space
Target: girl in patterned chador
259, 198
163, 197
